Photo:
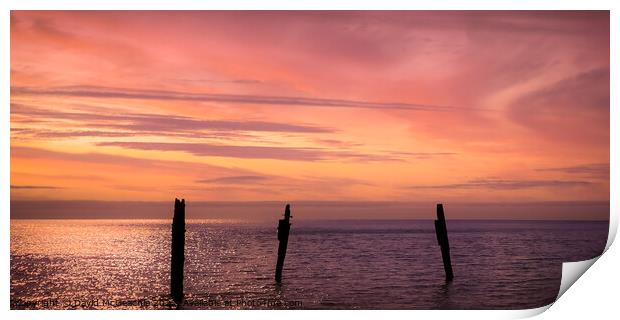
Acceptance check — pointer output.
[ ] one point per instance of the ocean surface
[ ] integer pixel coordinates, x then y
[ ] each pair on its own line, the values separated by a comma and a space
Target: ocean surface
362, 264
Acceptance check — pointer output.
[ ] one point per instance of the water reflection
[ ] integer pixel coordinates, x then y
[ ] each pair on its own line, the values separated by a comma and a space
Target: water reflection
341, 265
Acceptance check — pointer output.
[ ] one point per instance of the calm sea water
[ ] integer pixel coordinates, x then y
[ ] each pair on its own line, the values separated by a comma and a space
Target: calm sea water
381, 264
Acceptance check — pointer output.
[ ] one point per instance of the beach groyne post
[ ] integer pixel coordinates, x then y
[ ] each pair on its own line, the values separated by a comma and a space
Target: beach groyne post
177, 253
284, 227
442, 240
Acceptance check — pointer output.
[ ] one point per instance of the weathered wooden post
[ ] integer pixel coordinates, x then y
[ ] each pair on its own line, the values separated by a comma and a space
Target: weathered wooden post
177, 256
283, 228
442, 239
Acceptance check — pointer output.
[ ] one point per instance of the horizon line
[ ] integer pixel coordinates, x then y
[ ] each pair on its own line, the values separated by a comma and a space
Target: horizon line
264, 210
330, 219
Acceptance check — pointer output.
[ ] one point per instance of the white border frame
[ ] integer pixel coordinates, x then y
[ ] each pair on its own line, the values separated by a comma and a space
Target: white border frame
595, 294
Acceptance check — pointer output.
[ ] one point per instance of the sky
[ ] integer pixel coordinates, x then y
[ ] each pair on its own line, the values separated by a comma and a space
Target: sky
340, 107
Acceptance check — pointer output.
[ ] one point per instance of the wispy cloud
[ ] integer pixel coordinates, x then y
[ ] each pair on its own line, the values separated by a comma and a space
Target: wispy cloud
235, 180
505, 184
574, 109
206, 149
109, 124
125, 161
594, 170
125, 93
267, 152
221, 81
52, 134
160, 123
29, 187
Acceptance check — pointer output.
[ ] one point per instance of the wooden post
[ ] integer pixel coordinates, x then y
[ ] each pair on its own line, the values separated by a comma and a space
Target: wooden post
283, 228
177, 256
442, 240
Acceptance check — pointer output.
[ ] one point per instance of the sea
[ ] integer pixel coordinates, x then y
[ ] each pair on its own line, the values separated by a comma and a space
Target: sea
330, 264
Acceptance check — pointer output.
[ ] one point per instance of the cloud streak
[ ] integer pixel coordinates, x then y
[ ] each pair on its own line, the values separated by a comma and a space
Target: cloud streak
263, 152
594, 170
161, 123
506, 184
123, 93
235, 180
18, 153
114, 125
574, 109
32, 187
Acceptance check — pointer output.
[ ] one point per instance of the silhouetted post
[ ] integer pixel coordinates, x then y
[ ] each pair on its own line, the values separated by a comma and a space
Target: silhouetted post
442, 239
177, 256
283, 228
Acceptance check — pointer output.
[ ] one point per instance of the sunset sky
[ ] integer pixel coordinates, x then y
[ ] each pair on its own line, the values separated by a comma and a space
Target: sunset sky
322, 106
